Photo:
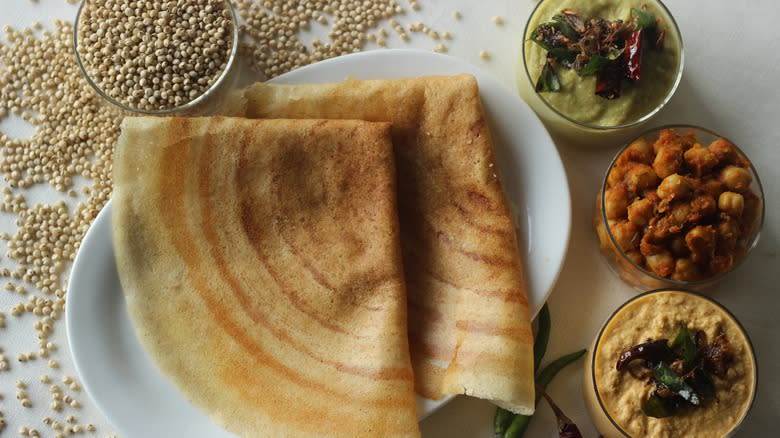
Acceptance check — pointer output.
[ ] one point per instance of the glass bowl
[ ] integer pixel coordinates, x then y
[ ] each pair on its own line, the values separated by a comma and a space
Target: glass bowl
597, 121
629, 246
206, 103
613, 399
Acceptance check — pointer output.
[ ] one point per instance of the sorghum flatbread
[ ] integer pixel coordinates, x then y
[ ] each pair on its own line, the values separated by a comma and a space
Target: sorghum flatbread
469, 321
261, 265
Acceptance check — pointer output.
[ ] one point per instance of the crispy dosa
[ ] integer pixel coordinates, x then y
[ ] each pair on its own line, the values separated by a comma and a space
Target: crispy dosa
469, 321
260, 261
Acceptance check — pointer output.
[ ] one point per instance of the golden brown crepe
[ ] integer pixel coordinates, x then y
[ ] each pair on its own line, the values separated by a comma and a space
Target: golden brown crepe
469, 320
261, 266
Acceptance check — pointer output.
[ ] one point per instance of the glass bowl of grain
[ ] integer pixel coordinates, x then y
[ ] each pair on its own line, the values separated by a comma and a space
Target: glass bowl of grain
680, 206
596, 71
160, 57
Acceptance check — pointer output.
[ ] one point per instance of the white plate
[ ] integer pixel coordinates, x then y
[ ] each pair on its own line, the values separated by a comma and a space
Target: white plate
139, 401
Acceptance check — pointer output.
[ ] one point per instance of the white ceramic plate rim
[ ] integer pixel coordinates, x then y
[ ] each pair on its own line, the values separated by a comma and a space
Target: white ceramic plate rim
139, 401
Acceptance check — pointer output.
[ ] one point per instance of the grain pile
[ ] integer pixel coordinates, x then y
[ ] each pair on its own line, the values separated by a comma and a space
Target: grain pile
272, 30
70, 152
155, 55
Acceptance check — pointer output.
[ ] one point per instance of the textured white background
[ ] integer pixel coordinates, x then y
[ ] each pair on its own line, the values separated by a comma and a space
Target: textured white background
730, 85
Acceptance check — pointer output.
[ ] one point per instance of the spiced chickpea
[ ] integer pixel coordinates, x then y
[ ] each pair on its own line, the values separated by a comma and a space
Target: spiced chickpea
679, 209
661, 264
722, 263
678, 247
725, 152
736, 178
626, 234
685, 270
673, 187
751, 212
640, 177
616, 202
700, 159
703, 206
701, 241
731, 203
728, 233
669, 160
640, 151
640, 212
670, 137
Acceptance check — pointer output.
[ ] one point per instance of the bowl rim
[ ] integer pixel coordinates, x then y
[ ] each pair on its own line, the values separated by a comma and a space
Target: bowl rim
183, 108
678, 77
643, 295
668, 281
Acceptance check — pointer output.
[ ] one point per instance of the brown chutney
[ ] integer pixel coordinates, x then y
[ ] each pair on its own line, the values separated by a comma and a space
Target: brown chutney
614, 398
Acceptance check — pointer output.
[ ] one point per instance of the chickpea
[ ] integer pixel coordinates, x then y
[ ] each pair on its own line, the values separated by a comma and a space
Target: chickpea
616, 202
677, 246
728, 233
701, 242
731, 203
685, 270
722, 263
674, 186
724, 151
625, 233
640, 151
632, 258
736, 178
700, 159
649, 246
661, 264
751, 213
679, 215
669, 160
636, 257
601, 232
640, 212
711, 186
640, 177
703, 206
616, 175
667, 138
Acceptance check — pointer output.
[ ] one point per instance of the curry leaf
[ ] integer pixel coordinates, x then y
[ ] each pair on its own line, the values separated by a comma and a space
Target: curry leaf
542, 36
548, 80
645, 19
664, 375
658, 407
684, 346
562, 24
596, 63
702, 383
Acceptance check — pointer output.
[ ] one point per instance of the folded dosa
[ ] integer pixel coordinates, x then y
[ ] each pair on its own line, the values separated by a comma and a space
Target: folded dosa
260, 261
469, 321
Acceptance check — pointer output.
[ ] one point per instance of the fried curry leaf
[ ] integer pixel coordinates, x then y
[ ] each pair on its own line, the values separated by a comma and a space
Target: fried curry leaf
562, 54
548, 80
645, 19
658, 407
546, 36
561, 22
596, 63
664, 375
542, 36
684, 346
701, 382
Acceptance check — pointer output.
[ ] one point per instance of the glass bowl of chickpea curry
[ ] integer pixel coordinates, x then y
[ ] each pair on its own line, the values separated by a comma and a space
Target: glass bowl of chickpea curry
680, 206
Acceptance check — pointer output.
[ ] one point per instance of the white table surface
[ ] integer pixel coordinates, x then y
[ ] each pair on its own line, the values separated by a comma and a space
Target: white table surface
729, 85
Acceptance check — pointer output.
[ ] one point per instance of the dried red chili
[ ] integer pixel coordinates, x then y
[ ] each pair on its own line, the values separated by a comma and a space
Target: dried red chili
633, 54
